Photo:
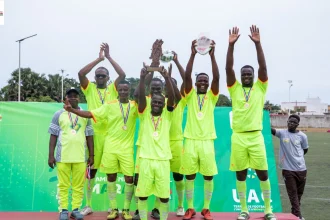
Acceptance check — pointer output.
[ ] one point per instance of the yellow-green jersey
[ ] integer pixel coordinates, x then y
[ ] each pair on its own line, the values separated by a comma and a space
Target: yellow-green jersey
200, 116
176, 133
248, 105
155, 140
121, 118
148, 109
96, 97
71, 131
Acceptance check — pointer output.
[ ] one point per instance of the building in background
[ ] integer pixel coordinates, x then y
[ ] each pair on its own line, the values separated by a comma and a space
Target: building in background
312, 106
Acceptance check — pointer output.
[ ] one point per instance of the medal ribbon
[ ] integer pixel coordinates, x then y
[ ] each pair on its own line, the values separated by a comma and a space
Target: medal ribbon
123, 113
247, 97
100, 95
200, 104
73, 124
153, 121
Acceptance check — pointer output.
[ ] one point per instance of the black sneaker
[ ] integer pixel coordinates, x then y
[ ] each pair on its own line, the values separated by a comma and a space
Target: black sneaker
136, 215
64, 215
155, 213
75, 214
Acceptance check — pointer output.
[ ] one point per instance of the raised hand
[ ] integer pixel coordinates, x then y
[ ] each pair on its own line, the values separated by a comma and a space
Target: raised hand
165, 73
144, 71
193, 47
67, 106
101, 53
211, 52
175, 58
106, 49
233, 35
255, 36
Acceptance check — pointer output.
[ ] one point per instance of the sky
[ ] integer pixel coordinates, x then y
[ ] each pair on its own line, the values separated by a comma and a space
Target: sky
294, 34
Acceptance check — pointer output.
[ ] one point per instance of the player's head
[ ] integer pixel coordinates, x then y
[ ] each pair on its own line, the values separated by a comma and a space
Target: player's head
72, 95
202, 83
247, 75
293, 122
101, 77
123, 90
174, 83
157, 104
156, 86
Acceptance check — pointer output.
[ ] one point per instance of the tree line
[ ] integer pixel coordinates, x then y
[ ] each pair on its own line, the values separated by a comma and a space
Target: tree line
37, 87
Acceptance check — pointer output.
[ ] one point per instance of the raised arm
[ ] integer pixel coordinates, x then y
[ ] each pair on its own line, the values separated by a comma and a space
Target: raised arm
178, 65
215, 71
233, 37
188, 84
147, 82
84, 71
142, 91
118, 69
255, 37
169, 87
84, 114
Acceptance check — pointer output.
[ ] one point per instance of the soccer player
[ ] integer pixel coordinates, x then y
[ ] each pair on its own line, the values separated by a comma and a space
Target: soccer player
176, 137
156, 87
293, 147
247, 142
155, 151
69, 133
96, 95
198, 154
118, 152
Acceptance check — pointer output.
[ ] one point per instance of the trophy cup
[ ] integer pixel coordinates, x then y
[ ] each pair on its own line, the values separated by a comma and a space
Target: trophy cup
156, 55
203, 45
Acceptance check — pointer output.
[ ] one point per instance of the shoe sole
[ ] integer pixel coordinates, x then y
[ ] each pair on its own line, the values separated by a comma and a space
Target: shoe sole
112, 218
189, 218
154, 217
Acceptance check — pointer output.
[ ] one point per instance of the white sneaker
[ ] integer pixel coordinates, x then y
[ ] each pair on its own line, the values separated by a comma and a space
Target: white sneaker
109, 210
180, 211
86, 211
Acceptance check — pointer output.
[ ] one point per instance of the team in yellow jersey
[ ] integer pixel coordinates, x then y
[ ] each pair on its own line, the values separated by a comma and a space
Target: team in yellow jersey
162, 145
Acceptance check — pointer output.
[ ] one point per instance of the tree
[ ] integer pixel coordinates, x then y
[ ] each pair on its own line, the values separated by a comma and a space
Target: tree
271, 107
133, 84
223, 101
37, 87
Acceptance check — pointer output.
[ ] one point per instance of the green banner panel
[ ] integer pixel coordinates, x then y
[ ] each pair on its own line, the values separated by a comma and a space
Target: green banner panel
28, 184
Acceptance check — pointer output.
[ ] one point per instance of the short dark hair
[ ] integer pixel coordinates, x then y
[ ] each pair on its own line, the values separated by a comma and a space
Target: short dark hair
176, 83
124, 82
295, 116
158, 95
102, 68
201, 74
247, 66
155, 79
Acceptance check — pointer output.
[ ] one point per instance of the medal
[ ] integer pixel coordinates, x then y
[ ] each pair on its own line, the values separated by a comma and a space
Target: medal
247, 97
100, 96
155, 134
200, 105
73, 123
125, 117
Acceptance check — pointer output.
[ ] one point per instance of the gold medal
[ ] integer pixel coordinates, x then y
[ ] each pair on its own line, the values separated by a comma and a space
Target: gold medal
200, 114
155, 134
246, 105
73, 131
124, 127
